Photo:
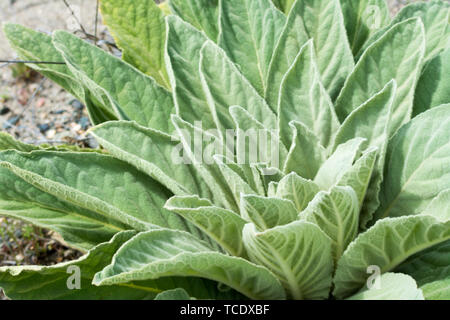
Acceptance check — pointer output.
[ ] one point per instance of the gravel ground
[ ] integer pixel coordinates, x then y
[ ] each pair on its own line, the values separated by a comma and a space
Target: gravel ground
35, 110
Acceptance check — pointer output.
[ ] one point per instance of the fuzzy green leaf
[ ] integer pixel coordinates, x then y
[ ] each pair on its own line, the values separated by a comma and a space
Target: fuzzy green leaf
304, 99
433, 88
387, 244
418, 161
362, 19
397, 55
287, 250
202, 14
393, 286
140, 31
160, 253
249, 33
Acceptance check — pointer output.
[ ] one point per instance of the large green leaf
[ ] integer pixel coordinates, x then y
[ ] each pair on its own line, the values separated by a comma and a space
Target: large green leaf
304, 99
433, 88
431, 270
435, 16
297, 189
386, 245
360, 174
339, 163
418, 161
95, 182
370, 120
266, 213
224, 226
393, 286
249, 33
174, 294
324, 23
202, 14
132, 94
299, 254
161, 253
154, 155
140, 31
336, 212
307, 154
362, 19
183, 50
292, 38
439, 207
284, 5
256, 144
199, 152
79, 227
37, 46
225, 86
50, 283
397, 55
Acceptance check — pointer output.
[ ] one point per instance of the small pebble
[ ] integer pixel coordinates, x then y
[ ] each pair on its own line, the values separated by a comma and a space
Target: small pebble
58, 111
4, 111
44, 127
11, 122
77, 105
84, 123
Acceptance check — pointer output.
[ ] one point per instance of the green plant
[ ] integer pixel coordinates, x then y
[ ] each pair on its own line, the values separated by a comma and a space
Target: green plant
359, 178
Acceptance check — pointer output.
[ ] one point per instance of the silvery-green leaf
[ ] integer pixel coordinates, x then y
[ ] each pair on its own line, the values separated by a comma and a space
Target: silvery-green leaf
433, 88
362, 19
223, 226
417, 164
174, 294
183, 57
335, 212
267, 213
393, 286
324, 23
139, 29
132, 94
80, 228
7, 142
249, 31
37, 46
435, 16
202, 14
235, 182
292, 38
97, 183
199, 147
397, 55
360, 174
155, 154
306, 154
160, 253
225, 86
437, 290
304, 99
338, 163
369, 120
439, 207
254, 142
272, 189
284, 5
51, 282
299, 254
297, 189
386, 245
431, 269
